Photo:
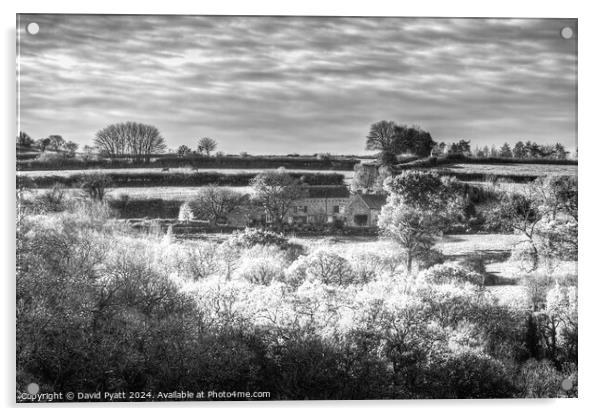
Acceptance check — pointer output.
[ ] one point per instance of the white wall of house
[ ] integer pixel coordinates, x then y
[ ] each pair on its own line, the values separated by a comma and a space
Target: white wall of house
317, 210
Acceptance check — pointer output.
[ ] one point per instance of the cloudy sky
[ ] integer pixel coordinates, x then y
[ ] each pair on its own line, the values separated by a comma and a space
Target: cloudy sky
298, 84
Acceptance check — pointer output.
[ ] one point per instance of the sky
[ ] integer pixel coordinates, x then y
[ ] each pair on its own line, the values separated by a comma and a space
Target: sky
278, 85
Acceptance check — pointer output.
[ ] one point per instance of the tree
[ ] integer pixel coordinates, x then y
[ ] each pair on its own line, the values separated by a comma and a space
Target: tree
23, 139
369, 177
56, 142
392, 139
560, 152
417, 210
184, 151
95, 185
462, 147
521, 212
413, 140
486, 151
533, 150
136, 139
276, 191
215, 203
43, 143
519, 150
382, 137
207, 145
505, 151
71, 147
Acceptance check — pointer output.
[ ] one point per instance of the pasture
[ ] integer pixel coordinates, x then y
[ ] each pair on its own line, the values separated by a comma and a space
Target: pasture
36, 173
511, 169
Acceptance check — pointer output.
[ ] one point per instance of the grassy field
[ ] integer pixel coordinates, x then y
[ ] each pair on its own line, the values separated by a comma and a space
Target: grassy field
35, 173
167, 193
513, 169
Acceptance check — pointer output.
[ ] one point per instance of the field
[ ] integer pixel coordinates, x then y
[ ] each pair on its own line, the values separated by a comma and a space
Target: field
513, 169
36, 173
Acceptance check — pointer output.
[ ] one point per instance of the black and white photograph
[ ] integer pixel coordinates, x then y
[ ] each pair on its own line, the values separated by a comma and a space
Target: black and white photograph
216, 208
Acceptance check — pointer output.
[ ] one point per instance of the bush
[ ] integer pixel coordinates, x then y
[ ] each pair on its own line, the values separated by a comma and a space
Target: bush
253, 236
262, 265
470, 375
451, 273
95, 185
323, 266
539, 379
195, 261
142, 208
53, 200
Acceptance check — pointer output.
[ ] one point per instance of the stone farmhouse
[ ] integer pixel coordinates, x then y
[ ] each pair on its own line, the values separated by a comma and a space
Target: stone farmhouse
320, 205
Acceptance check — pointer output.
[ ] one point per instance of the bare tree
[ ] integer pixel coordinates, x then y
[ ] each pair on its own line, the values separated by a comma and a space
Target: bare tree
139, 140
215, 203
276, 191
207, 145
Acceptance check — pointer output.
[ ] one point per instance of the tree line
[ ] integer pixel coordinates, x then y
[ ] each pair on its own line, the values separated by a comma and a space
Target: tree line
392, 140
129, 139
53, 142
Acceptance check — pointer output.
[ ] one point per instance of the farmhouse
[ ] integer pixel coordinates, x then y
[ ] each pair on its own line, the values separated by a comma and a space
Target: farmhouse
319, 205
362, 210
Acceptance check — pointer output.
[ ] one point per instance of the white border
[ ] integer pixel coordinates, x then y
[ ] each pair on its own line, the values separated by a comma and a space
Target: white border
590, 128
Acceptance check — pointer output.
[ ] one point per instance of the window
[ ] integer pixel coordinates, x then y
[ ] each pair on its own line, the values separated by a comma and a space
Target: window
336, 209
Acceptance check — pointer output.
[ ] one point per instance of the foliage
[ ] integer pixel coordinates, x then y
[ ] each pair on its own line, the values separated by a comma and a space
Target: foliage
392, 139
325, 267
23, 139
451, 273
253, 237
95, 185
418, 209
123, 312
262, 265
216, 204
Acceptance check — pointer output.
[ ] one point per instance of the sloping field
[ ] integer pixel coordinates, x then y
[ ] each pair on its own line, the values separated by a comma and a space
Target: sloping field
512, 169
36, 173
168, 193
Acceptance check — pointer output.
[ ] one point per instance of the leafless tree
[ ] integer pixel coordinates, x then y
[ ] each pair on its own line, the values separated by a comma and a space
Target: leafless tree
136, 139
207, 145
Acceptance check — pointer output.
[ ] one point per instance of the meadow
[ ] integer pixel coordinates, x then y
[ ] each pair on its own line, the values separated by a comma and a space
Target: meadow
512, 169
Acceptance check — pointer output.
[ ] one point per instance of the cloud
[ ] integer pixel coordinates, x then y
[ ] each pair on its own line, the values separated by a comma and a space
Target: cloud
298, 84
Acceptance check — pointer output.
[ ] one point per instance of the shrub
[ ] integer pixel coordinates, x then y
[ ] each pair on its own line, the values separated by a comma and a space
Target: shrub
368, 266
470, 375
538, 379
53, 200
451, 273
328, 268
95, 185
195, 261
262, 265
253, 236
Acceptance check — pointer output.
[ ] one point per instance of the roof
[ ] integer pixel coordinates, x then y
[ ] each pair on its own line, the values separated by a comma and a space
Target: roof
326, 192
374, 201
